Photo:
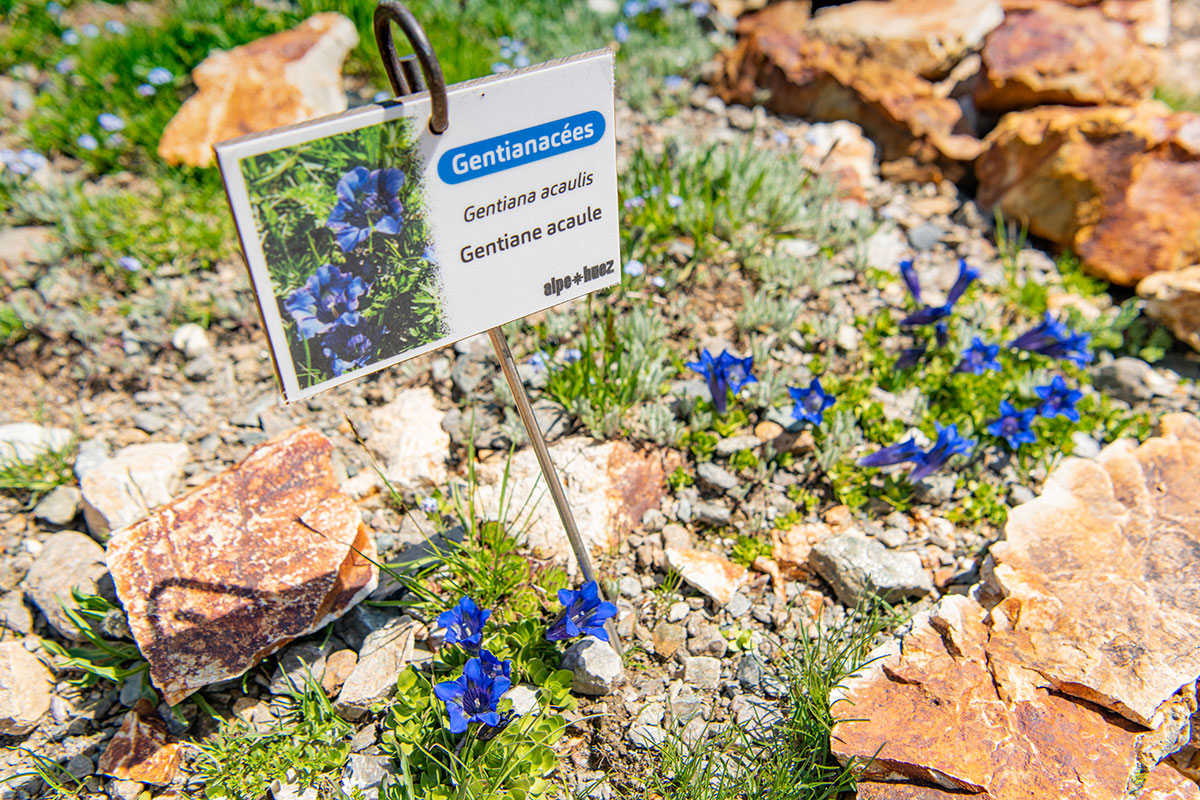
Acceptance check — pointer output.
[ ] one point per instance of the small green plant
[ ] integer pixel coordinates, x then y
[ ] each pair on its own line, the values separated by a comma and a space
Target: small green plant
97, 658
307, 745
748, 548
33, 477
61, 785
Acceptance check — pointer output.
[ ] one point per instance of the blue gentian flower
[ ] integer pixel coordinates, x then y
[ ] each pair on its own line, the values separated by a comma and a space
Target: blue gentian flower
494, 667
347, 348
464, 625
948, 444
538, 361
115, 26
724, 373
145, 90
70, 36
673, 83
658, 281
1054, 339
634, 268
700, 9
621, 32
1013, 426
90, 31
110, 122
500, 66
910, 357
927, 315
979, 358
571, 354
87, 141
65, 66
1058, 400
811, 402
892, 454
24, 162
631, 8
583, 614
368, 200
129, 264
492, 731
472, 697
328, 298
159, 76
429, 504
635, 202
521, 61
674, 200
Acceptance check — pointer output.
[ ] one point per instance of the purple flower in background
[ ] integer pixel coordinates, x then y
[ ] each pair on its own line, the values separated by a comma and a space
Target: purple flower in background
53, 8
472, 697
65, 66
129, 264
658, 281
941, 335
635, 202
631, 8
23, 162
811, 402
583, 614
499, 67
910, 357
368, 200
1058, 400
110, 122
674, 200
521, 61
927, 315
621, 32
892, 454
70, 36
571, 354
1052, 338
87, 141
948, 444
464, 625
347, 347
673, 83
145, 90
115, 26
328, 298
979, 358
724, 373
634, 268
537, 361
700, 9
159, 76
114, 140
429, 504
1013, 426
90, 31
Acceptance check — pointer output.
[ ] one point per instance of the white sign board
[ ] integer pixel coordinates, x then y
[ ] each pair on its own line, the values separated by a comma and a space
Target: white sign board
370, 239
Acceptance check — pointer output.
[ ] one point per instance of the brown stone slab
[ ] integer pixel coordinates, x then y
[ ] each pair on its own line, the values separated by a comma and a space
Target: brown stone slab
1101, 573
141, 750
929, 711
238, 567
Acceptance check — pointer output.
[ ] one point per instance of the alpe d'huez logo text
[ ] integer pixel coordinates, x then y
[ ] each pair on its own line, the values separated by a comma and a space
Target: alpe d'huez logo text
520, 147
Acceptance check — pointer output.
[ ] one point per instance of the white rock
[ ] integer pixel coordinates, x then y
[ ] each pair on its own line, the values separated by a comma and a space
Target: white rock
702, 672
129, 485
597, 667
69, 560
885, 249
524, 698
385, 654
710, 573
191, 340
408, 440
24, 689
24, 441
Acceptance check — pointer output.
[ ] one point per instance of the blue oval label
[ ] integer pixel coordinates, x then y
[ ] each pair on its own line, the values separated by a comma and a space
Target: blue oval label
520, 147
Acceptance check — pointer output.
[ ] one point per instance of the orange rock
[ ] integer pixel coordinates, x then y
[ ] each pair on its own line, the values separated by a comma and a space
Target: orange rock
792, 547
926, 37
1117, 185
1100, 572
141, 750
789, 16
710, 573
1173, 298
269, 550
1059, 54
281, 79
802, 76
1150, 20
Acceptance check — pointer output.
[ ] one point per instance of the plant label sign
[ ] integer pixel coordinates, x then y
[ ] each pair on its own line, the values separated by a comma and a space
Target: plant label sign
370, 239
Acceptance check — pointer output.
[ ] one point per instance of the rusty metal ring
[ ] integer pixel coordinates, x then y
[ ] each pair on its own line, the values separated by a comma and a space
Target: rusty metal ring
403, 77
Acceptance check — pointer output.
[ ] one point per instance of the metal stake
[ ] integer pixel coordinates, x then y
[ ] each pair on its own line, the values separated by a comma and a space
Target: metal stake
509, 367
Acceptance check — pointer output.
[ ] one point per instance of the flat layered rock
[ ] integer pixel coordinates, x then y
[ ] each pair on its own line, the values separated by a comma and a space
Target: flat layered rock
281, 79
1100, 575
124, 488
1173, 298
909, 118
1117, 185
1060, 54
927, 37
407, 435
1149, 20
927, 712
709, 573
142, 750
610, 485
269, 550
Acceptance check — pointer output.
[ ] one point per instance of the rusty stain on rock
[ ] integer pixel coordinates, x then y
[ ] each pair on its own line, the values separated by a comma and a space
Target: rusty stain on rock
141, 750
230, 572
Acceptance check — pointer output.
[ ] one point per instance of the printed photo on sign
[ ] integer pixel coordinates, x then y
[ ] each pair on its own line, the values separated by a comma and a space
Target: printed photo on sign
344, 231
370, 239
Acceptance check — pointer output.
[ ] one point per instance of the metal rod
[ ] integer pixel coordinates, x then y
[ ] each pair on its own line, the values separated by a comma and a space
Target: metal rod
509, 367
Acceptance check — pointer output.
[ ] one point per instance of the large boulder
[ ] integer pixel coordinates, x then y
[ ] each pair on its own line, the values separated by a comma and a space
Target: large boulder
1117, 185
911, 120
1149, 20
281, 79
267, 551
927, 37
1060, 54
